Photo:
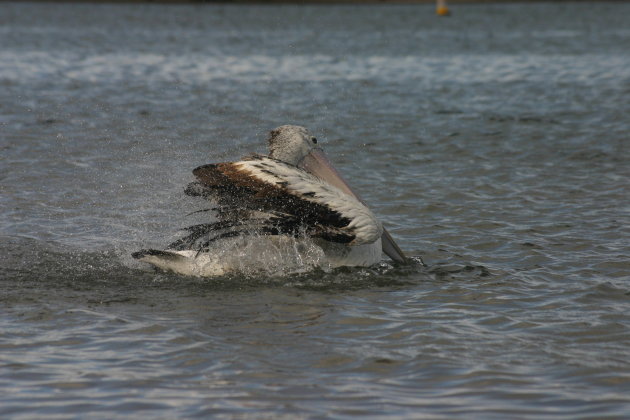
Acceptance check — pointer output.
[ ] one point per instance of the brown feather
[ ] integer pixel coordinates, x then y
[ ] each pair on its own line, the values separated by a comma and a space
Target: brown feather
289, 213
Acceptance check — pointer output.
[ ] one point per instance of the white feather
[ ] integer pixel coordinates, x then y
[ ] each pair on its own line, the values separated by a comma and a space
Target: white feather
365, 226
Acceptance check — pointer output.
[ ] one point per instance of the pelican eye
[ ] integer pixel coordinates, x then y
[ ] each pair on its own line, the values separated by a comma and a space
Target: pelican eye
314, 140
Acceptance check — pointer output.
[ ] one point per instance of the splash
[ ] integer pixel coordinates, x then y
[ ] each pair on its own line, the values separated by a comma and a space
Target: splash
272, 256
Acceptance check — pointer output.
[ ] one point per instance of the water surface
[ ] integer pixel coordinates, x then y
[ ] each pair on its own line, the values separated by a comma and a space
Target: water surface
494, 144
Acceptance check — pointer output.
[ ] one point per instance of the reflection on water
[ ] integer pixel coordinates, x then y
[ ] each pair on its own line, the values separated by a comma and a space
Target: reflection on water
492, 144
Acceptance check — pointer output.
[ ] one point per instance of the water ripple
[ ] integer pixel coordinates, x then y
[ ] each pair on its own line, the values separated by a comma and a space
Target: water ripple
493, 145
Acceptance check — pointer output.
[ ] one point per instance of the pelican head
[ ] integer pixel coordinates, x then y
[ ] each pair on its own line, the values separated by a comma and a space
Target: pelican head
291, 143
295, 145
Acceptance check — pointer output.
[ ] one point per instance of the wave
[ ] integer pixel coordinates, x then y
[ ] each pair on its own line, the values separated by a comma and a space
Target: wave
32, 66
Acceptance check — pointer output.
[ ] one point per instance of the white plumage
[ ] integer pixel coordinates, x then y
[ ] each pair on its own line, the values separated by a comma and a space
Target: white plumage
300, 183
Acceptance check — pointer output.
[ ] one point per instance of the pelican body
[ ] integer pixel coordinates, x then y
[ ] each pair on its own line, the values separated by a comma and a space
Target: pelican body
277, 201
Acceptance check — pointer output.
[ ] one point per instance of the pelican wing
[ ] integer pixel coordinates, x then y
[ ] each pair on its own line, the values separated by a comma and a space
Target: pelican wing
267, 196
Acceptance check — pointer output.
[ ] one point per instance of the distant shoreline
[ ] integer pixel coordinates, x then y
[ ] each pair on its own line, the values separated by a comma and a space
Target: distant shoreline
296, 2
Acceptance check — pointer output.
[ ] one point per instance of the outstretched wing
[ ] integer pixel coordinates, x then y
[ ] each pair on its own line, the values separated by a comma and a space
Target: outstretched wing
261, 195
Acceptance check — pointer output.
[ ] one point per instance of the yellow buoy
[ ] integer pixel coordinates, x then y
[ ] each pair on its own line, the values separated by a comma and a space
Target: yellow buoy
442, 8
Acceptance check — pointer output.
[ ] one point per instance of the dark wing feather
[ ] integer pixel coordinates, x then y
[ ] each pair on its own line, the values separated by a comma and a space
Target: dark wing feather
249, 204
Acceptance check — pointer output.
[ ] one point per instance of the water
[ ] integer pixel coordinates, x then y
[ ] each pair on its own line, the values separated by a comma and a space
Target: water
494, 144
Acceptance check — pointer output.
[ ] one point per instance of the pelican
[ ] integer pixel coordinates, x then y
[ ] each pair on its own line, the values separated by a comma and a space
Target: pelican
291, 195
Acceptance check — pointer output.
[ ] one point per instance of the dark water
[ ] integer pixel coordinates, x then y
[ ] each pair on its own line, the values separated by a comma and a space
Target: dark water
494, 144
